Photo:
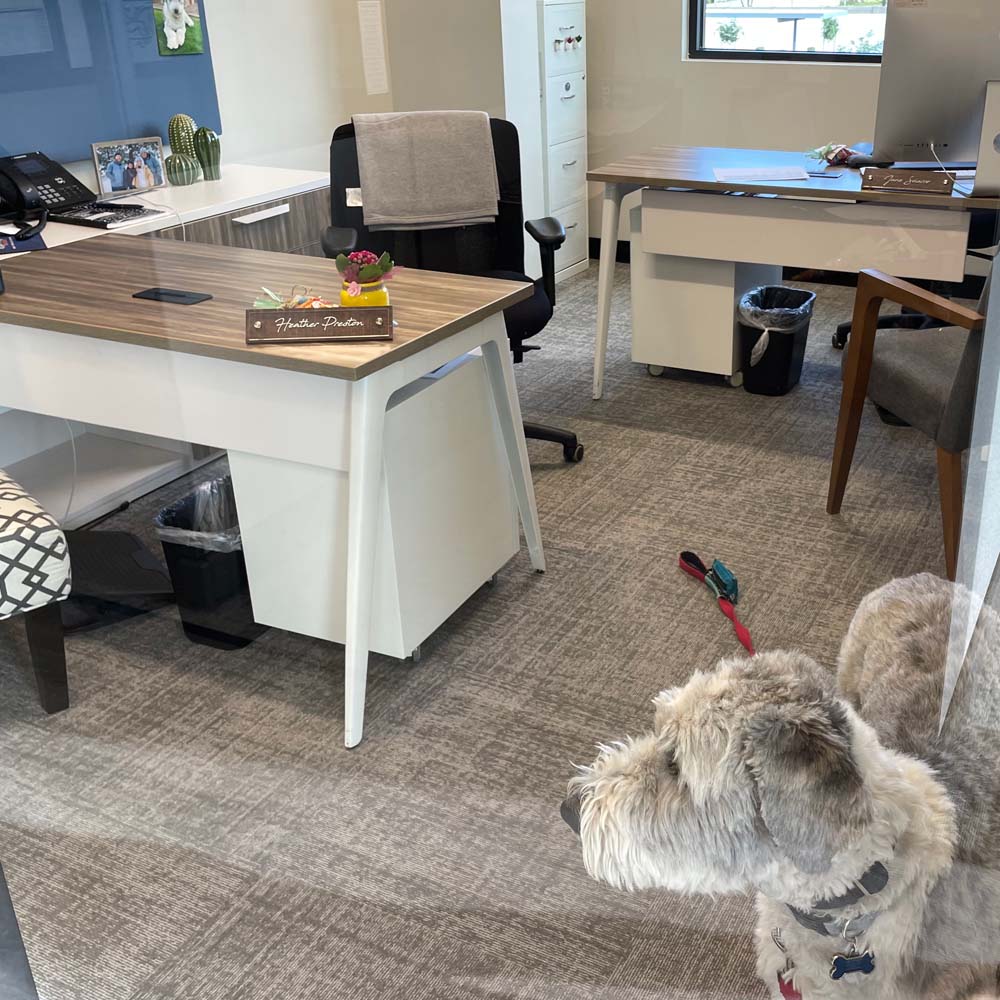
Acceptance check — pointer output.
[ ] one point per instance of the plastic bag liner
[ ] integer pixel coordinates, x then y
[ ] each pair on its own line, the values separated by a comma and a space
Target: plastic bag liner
774, 309
205, 519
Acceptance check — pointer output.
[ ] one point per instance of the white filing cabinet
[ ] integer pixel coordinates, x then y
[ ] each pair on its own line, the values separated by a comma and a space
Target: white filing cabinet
562, 29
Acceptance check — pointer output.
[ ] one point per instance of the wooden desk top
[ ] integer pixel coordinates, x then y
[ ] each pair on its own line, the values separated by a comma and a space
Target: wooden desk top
86, 288
693, 167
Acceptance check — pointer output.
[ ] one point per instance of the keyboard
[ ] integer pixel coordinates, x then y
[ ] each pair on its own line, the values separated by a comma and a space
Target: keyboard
104, 215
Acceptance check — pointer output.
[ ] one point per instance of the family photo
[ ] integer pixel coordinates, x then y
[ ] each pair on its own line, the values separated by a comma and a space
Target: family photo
133, 165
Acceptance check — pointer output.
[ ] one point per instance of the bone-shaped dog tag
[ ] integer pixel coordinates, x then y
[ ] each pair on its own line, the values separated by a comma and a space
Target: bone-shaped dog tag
844, 965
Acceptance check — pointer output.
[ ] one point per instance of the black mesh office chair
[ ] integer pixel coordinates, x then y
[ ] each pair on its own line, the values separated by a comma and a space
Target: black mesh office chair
982, 233
495, 250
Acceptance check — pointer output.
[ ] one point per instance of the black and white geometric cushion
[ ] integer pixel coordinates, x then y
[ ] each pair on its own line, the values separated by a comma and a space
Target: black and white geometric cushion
34, 557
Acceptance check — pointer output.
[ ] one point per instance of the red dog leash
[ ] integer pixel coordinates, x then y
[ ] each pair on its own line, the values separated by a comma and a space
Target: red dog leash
723, 585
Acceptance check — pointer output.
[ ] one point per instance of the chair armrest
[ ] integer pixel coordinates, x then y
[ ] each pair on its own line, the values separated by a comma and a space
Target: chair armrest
336, 241
876, 287
547, 232
550, 234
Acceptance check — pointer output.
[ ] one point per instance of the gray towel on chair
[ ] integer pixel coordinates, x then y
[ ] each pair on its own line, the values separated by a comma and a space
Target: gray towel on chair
427, 169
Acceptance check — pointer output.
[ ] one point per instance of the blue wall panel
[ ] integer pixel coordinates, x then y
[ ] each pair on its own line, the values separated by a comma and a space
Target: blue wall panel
73, 72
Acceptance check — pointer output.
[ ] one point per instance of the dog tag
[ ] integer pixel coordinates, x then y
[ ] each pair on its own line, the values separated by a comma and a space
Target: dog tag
845, 965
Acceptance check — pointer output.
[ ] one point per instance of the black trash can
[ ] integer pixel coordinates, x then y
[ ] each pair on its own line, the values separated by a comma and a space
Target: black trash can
773, 325
201, 543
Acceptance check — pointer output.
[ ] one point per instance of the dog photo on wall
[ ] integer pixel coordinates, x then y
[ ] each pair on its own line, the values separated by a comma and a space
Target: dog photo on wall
178, 27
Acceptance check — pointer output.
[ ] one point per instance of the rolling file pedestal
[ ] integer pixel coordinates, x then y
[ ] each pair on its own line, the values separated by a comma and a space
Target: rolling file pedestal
448, 519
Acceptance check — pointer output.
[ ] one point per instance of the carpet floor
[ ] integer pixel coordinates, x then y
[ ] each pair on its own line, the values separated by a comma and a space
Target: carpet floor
192, 829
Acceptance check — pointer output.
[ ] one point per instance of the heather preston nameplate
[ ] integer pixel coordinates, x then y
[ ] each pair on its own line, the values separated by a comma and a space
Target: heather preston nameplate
318, 326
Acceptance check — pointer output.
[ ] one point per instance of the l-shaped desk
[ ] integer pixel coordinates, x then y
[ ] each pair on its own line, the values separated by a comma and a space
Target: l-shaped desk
323, 503
699, 243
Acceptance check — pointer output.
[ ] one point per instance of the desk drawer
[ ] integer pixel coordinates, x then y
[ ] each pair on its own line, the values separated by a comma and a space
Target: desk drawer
576, 248
564, 21
281, 226
813, 233
567, 173
566, 107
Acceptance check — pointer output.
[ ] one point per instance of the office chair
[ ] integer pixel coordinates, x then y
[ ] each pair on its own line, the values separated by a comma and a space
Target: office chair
982, 233
495, 250
926, 377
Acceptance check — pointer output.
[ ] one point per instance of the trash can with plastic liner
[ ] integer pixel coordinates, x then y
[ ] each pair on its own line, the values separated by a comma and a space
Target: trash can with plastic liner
773, 324
200, 535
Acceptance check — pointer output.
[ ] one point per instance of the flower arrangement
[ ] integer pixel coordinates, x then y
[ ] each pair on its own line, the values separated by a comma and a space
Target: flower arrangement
362, 268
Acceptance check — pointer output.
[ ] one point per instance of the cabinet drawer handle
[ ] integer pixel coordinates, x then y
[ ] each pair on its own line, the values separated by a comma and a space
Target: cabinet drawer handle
264, 213
572, 163
572, 97
575, 224
571, 27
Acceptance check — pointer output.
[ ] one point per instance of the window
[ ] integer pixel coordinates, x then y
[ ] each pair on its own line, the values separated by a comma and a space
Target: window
806, 30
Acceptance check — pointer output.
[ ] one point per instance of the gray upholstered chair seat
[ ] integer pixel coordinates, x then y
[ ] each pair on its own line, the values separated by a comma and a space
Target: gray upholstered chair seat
914, 373
34, 557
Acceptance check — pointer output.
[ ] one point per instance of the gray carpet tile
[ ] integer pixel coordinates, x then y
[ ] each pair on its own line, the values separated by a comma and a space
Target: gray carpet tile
193, 828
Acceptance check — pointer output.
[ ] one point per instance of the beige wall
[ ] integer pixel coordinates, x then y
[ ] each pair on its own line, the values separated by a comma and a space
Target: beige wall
643, 93
445, 54
284, 89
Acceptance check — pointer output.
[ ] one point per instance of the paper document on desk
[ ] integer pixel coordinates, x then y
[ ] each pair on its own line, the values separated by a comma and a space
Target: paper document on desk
754, 174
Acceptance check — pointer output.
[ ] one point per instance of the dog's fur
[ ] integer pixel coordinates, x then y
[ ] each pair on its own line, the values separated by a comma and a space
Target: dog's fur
176, 22
763, 776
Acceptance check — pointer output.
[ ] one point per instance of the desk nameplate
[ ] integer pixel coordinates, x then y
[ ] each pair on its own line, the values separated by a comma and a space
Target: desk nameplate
318, 326
913, 181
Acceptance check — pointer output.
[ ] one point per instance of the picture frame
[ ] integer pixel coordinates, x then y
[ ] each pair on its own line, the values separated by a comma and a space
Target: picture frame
129, 166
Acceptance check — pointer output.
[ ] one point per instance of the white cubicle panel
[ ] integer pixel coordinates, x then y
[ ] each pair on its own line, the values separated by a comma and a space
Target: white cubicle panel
831, 236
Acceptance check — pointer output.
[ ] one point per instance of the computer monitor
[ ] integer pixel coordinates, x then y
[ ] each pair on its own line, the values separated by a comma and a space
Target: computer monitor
937, 58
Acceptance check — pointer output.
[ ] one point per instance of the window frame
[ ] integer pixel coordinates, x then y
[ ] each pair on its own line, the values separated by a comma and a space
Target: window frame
696, 49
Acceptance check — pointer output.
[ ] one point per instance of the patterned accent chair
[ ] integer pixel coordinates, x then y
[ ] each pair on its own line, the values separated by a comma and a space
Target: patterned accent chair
34, 577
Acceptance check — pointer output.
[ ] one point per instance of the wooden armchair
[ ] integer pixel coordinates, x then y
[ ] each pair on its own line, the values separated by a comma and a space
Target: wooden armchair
927, 378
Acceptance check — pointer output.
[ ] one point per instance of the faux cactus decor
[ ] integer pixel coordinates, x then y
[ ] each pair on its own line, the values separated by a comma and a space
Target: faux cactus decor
180, 134
209, 152
182, 169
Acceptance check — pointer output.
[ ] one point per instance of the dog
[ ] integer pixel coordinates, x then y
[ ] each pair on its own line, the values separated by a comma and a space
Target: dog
871, 841
176, 21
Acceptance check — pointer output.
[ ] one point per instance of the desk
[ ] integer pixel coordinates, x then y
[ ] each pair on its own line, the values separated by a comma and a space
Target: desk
77, 345
700, 248
116, 467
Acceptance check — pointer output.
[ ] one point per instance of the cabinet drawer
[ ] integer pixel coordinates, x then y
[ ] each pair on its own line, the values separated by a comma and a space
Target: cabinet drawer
564, 21
567, 173
576, 247
566, 107
281, 226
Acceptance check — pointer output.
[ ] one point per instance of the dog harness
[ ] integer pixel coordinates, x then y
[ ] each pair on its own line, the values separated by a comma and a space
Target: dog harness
724, 586
819, 920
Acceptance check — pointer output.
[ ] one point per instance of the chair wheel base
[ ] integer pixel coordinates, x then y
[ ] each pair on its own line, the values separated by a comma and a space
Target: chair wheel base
573, 453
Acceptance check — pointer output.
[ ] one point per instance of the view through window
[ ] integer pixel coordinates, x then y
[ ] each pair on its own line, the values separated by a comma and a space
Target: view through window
821, 30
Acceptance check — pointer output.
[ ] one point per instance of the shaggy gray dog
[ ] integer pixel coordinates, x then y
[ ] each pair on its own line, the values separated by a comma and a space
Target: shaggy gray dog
872, 842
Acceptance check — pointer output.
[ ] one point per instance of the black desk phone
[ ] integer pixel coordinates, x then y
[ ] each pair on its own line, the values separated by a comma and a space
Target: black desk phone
32, 186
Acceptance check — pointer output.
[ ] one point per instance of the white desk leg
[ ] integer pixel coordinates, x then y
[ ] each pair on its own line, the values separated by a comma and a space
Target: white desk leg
496, 355
368, 403
613, 194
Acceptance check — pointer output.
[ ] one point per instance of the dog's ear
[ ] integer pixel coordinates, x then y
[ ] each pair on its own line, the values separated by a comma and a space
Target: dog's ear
812, 796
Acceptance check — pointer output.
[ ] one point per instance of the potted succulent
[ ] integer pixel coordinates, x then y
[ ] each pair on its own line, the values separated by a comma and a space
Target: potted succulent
364, 277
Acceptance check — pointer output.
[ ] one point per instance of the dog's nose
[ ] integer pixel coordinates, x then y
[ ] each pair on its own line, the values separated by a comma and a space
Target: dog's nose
570, 811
